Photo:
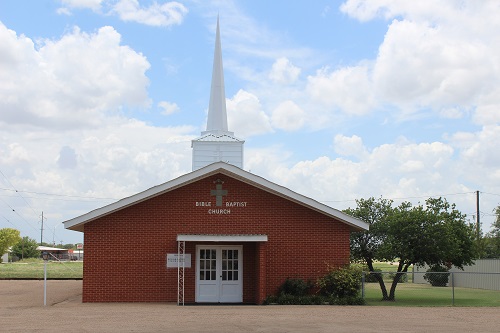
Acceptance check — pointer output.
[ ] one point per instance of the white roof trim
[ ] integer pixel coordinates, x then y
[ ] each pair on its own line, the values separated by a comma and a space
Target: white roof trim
222, 238
214, 168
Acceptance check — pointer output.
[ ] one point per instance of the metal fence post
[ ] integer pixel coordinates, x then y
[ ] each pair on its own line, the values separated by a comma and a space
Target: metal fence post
363, 284
452, 289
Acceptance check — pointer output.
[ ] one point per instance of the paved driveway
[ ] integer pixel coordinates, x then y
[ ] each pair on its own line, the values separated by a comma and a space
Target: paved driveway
22, 310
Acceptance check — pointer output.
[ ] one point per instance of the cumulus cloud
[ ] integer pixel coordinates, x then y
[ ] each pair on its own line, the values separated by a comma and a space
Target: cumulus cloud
349, 146
284, 72
61, 105
424, 66
348, 89
288, 116
83, 77
245, 115
437, 56
393, 170
102, 157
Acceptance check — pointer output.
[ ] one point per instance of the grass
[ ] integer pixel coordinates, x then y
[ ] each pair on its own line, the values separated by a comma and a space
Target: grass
407, 294
33, 269
412, 294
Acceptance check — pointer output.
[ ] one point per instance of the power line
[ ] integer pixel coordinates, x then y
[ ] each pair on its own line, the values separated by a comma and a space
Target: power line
405, 198
59, 195
491, 193
8, 181
22, 218
6, 219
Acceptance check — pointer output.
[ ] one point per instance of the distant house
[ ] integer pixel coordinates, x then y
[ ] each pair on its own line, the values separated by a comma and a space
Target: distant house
55, 253
5, 257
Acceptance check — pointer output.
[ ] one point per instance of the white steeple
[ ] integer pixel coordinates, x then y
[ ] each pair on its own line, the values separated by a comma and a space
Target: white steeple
217, 143
217, 115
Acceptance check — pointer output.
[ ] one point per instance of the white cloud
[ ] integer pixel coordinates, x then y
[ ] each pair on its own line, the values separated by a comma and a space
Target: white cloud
119, 158
365, 10
349, 146
94, 5
348, 89
62, 129
437, 56
83, 77
245, 115
168, 108
422, 65
288, 116
401, 170
67, 158
284, 72
160, 15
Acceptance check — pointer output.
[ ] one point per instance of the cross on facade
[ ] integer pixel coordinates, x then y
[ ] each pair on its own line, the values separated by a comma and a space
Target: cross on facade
218, 192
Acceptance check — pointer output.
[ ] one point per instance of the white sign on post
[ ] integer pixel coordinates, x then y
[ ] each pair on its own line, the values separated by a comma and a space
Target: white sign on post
173, 260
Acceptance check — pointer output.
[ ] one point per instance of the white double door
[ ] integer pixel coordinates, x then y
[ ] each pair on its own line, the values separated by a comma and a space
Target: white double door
219, 274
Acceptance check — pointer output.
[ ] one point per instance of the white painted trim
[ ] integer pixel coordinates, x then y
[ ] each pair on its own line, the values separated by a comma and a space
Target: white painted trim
229, 170
222, 238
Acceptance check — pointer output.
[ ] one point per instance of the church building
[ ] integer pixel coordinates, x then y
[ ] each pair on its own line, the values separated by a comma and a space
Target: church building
218, 234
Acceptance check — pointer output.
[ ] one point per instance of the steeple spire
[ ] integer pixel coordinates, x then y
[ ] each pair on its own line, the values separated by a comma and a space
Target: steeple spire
217, 143
217, 115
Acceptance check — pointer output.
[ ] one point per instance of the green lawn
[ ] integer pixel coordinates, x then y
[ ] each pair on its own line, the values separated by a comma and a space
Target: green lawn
411, 294
33, 269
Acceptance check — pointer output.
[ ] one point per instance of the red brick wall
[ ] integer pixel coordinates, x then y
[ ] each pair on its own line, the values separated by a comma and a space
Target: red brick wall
125, 252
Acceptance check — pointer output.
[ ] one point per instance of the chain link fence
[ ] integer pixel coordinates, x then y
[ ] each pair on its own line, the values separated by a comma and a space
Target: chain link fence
432, 288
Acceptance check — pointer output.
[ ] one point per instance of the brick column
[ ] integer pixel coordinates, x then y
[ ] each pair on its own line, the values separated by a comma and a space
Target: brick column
261, 273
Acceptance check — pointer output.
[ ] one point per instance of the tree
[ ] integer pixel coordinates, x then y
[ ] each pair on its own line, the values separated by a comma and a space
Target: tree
26, 248
365, 244
492, 239
436, 234
8, 237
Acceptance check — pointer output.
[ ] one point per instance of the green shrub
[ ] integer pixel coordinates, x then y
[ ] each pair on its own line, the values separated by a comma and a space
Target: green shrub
437, 279
340, 286
295, 287
341, 282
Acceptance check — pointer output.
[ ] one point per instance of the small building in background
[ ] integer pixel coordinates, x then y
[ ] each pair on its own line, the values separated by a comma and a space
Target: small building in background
55, 252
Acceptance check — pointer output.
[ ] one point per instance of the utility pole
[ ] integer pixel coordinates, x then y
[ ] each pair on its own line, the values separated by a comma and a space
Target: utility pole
41, 231
478, 221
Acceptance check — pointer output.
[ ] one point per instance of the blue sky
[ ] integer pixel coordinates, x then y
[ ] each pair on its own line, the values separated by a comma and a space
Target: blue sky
337, 100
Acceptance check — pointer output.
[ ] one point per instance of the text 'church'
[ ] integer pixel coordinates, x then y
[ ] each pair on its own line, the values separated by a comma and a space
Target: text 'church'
218, 234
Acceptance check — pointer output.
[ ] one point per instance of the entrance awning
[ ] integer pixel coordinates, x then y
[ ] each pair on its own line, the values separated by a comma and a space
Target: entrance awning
222, 238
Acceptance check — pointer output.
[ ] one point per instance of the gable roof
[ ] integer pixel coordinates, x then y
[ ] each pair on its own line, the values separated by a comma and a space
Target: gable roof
77, 223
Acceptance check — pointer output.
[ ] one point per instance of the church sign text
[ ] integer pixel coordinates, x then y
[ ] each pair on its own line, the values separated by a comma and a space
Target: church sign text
220, 207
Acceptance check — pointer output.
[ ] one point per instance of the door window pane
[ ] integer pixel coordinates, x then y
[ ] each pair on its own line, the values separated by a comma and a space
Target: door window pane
208, 264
